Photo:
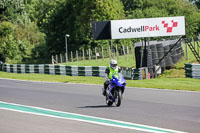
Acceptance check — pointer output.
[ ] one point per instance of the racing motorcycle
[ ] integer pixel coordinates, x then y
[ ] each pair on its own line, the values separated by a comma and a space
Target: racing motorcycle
115, 90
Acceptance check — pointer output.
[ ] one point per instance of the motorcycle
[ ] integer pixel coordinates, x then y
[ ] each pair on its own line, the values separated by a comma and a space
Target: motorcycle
115, 90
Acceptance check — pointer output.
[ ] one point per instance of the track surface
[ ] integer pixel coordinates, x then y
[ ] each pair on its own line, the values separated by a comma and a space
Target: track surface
177, 110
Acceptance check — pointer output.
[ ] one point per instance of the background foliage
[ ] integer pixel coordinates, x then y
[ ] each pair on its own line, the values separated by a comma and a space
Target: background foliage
32, 30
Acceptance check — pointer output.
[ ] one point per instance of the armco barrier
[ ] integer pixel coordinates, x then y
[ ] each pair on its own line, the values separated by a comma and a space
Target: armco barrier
192, 70
55, 69
98, 71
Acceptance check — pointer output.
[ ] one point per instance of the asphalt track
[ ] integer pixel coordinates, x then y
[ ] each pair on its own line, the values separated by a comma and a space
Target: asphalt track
176, 110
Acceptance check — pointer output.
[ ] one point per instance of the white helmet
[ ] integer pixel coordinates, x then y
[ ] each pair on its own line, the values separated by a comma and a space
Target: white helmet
113, 64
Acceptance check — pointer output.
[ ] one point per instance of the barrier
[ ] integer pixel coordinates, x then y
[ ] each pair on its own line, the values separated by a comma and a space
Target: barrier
97, 71
192, 70
55, 69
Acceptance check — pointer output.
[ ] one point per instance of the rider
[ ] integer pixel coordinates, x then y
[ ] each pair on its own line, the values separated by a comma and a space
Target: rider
110, 71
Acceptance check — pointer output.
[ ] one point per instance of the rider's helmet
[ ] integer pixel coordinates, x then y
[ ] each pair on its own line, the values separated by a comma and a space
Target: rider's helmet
113, 64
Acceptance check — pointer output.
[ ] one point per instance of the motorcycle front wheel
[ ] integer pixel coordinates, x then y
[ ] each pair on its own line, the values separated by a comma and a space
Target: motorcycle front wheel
118, 98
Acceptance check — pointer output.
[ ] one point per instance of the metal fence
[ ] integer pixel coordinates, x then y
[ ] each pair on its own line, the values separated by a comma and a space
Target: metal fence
92, 54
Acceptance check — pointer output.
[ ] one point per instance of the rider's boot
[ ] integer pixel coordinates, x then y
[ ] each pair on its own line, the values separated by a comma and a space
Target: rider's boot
104, 92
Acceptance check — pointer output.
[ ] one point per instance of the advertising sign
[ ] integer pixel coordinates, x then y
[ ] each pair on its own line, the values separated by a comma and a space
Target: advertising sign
148, 27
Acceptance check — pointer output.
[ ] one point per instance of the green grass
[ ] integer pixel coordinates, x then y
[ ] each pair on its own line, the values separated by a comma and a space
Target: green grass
168, 83
123, 61
173, 73
52, 78
160, 83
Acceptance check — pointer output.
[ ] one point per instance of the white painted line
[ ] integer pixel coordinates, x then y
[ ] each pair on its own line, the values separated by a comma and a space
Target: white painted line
82, 118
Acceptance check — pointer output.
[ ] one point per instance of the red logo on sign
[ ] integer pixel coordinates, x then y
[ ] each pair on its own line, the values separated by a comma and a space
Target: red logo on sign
169, 29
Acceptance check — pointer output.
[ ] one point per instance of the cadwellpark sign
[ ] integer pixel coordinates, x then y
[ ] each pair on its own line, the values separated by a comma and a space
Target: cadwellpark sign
148, 27
139, 29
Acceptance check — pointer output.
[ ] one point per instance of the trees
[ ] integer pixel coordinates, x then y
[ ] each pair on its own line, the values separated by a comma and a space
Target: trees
19, 34
165, 8
195, 2
33, 29
75, 18
8, 46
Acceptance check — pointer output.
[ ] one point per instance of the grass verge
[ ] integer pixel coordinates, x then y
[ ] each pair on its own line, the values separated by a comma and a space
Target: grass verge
123, 61
160, 83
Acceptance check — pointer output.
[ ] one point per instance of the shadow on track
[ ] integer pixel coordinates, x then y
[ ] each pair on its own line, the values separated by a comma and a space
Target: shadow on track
97, 106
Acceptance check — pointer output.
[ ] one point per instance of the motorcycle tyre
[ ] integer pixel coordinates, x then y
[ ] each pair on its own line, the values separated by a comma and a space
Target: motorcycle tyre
118, 98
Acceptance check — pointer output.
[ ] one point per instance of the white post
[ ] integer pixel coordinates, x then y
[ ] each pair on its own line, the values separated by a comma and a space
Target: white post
66, 46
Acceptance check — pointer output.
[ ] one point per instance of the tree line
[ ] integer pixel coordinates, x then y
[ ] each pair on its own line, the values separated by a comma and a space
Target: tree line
33, 30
